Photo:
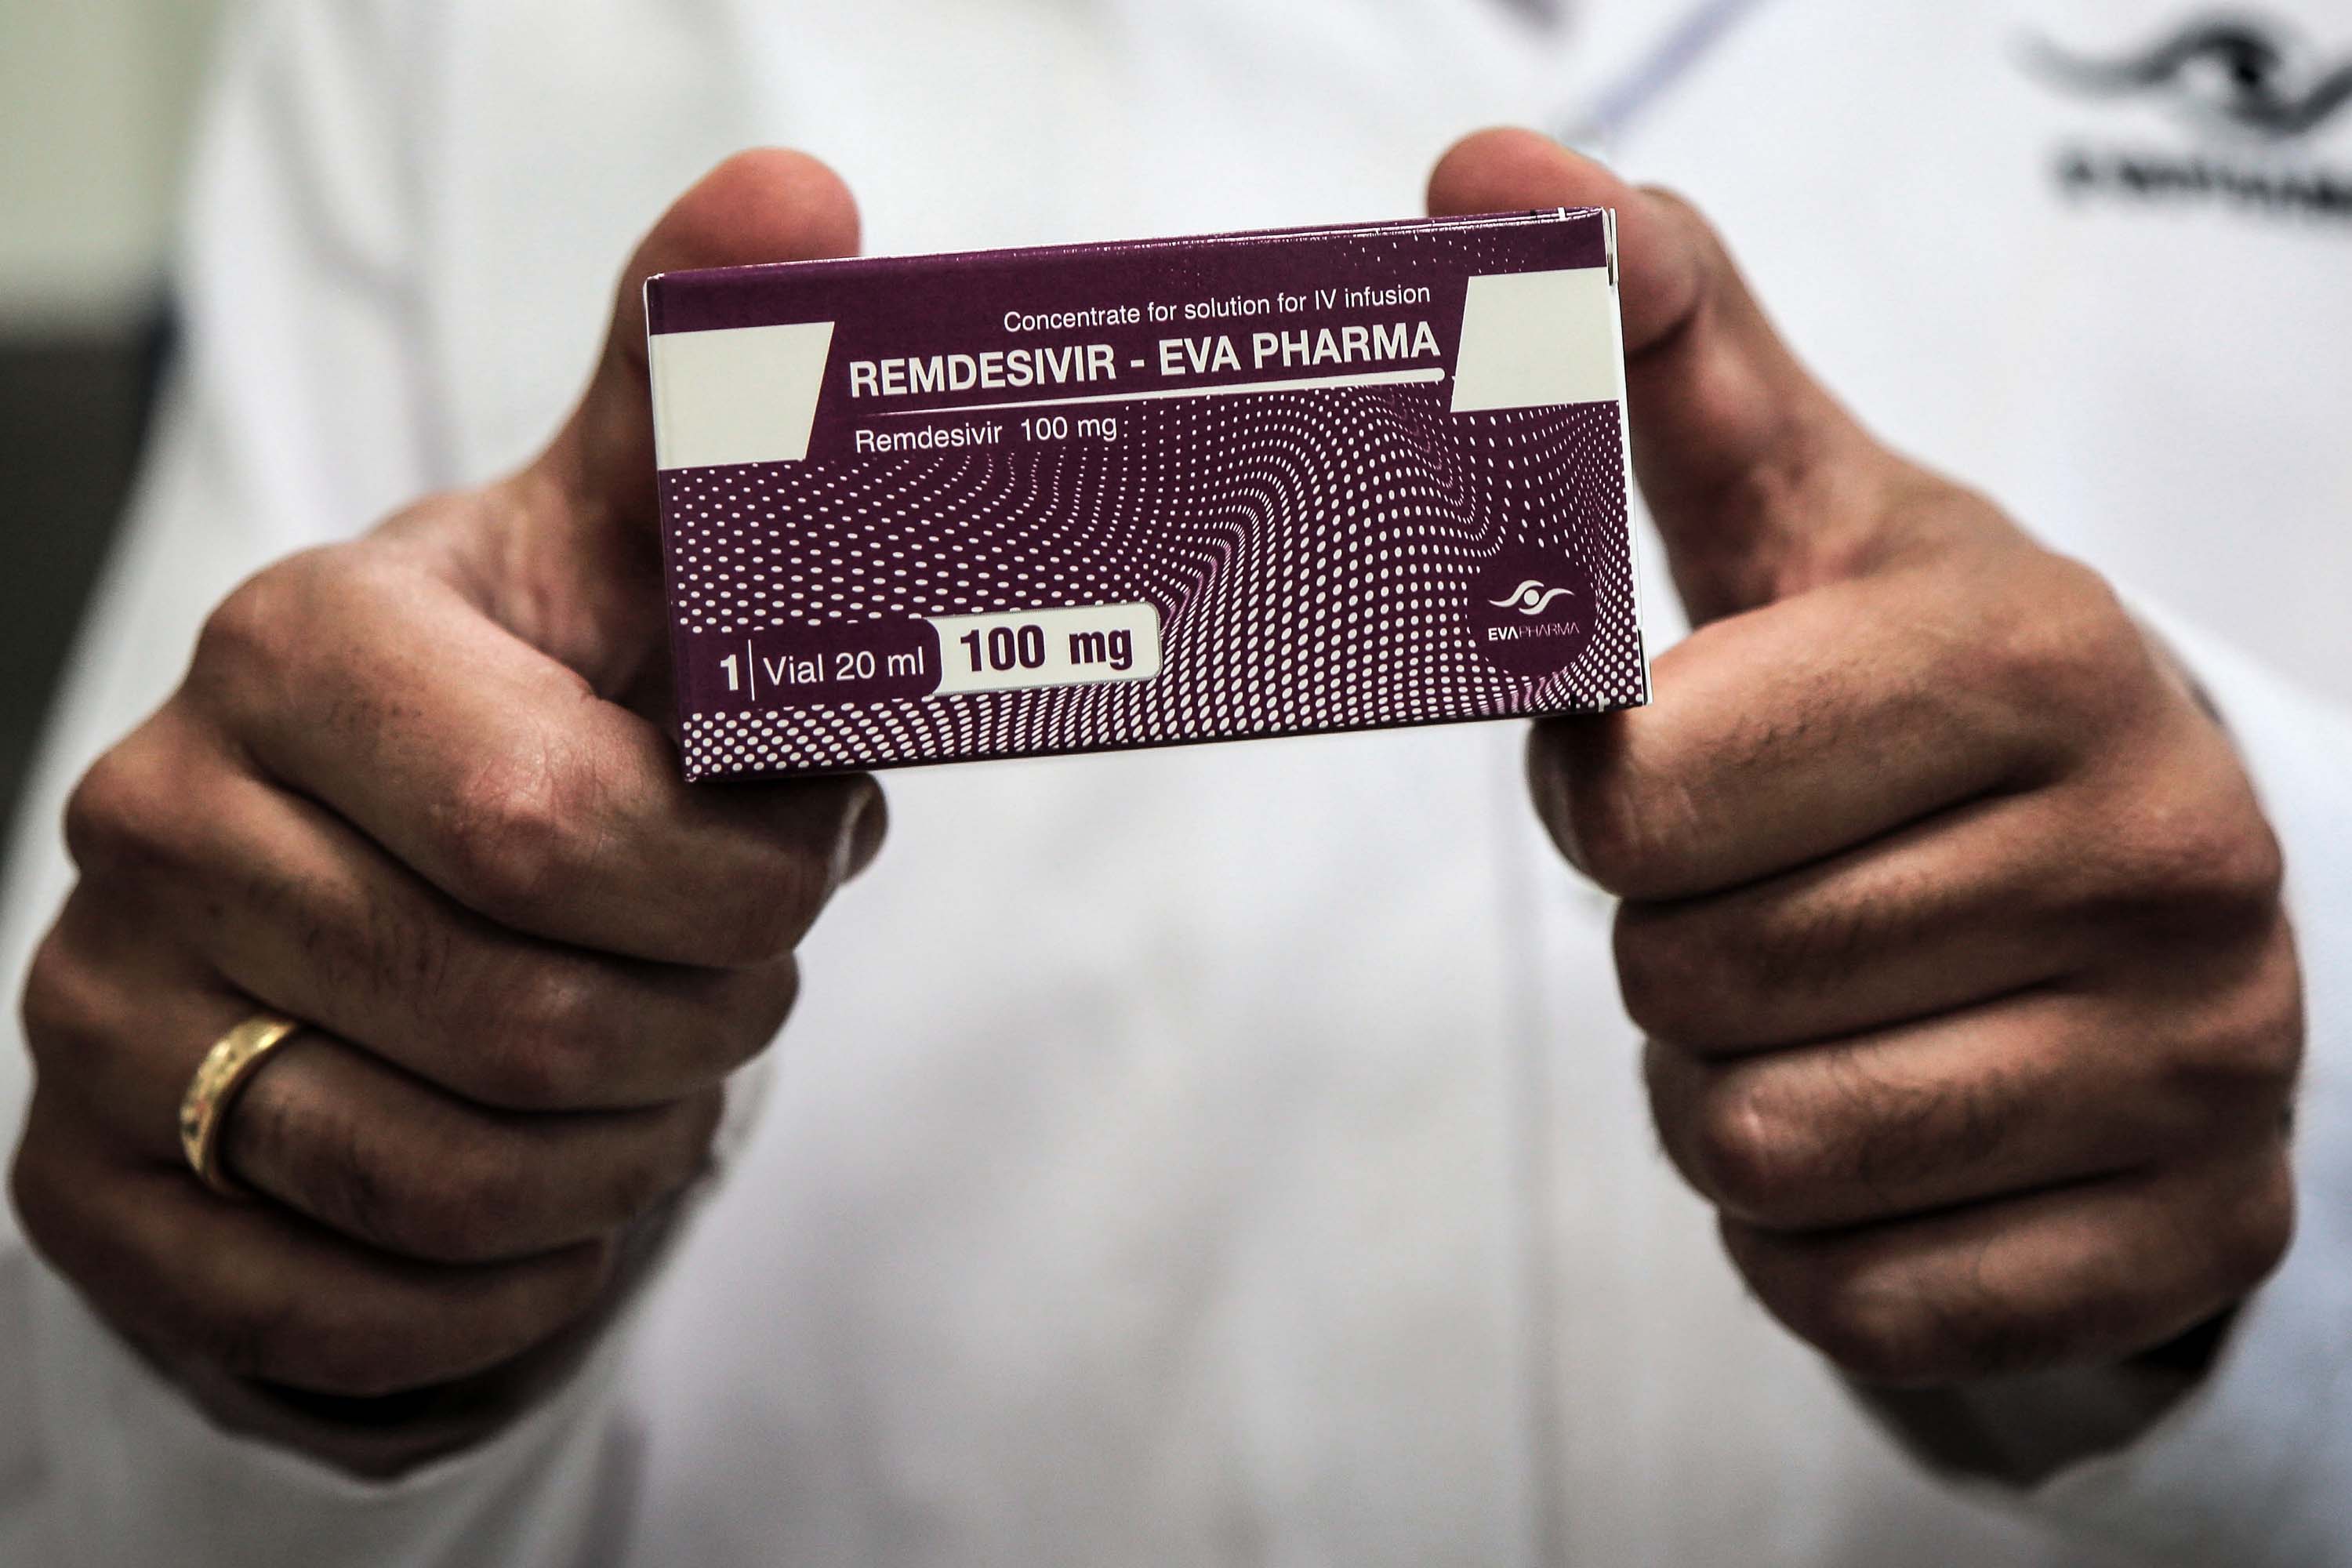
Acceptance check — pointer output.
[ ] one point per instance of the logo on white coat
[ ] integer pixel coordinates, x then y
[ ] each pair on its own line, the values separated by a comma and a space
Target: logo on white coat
2257, 97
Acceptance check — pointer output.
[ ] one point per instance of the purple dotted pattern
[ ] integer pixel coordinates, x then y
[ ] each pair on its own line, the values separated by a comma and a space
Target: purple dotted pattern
1310, 553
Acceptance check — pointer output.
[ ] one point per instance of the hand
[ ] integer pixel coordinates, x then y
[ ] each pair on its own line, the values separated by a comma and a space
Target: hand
407, 796
1950, 915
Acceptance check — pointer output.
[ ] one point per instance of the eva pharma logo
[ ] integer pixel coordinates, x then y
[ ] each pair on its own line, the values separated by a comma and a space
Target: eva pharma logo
1531, 598
1532, 611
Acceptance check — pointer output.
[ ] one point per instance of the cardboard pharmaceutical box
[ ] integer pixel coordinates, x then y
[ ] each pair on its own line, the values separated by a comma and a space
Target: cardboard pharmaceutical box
1098, 497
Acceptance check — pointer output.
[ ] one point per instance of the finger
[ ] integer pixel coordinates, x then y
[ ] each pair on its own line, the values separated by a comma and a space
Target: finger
503, 779
1931, 919
1762, 485
290, 908
2042, 1088
379, 1156
384, 1159
1787, 734
2086, 1274
1989, 898
241, 1287
121, 1020
118, 1023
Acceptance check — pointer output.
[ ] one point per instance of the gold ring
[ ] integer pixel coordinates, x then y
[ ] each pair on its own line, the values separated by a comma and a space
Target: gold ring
220, 1078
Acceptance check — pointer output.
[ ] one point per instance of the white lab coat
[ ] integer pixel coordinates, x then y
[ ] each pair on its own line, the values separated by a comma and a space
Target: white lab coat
1234, 1154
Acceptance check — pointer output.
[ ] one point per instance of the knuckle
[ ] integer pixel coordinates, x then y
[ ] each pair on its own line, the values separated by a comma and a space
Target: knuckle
246, 631
118, 817
509, 837
635, 1188
249, 649
1599, 830
504, 834
2261, 1229
36, 1196
639, 1184
812, 837
61, 1010
1660, 977
1876, 1336
703, 1117
2234, 868
1857, 1307
2091, 634
697, 1135
55, 1189
2245, 1051
778, 988
2253, 872
250, 1335
552, 1022
1608, 827
2200, 869
773, 910
1861, 1312
748, 1007
1745, 1155
471, 1205
2062, 648
2272, 1049
558, 1005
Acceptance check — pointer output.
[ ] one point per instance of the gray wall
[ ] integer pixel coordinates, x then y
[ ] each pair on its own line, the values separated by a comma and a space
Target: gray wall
95, 98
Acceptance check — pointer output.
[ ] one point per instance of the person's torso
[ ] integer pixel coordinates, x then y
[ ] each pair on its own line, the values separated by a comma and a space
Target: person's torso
1237, 1155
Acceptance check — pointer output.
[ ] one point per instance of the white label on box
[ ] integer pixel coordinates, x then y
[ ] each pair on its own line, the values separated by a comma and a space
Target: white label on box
736, 394
1025, 649
1532, 339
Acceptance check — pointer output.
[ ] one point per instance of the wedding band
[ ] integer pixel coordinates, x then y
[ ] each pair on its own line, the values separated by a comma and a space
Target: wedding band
222, 1075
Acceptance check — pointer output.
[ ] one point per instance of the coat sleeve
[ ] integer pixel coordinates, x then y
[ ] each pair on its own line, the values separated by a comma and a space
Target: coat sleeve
297, 413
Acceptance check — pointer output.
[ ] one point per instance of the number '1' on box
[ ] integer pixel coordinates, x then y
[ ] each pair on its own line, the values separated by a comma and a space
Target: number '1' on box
1090, 497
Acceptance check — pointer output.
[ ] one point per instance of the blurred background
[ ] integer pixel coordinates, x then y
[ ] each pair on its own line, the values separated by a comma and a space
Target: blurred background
95, 102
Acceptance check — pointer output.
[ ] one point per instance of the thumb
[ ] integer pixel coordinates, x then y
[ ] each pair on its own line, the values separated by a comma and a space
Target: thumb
1762, 485
584, 564
761, 206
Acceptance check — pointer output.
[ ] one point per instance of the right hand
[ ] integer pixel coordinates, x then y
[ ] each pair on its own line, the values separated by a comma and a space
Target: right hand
407, 794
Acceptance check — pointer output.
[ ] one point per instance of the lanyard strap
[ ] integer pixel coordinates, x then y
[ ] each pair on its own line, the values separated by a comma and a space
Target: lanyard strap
1659, 71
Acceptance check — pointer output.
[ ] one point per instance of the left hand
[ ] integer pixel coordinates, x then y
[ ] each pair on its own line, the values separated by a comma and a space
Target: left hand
1950, 913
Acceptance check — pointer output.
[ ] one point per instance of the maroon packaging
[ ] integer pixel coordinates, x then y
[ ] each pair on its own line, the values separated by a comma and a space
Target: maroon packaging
1021, 502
